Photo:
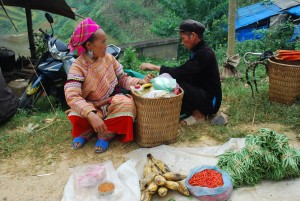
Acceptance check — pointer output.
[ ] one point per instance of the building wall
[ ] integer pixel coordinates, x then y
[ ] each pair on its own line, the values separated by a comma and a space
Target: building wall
166, 48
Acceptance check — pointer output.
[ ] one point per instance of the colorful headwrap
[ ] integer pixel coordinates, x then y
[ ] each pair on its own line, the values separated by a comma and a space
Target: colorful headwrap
83, 31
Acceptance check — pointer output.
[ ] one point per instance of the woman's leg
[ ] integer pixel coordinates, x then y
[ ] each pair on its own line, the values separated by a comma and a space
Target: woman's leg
121, 113
81, 130
120, 126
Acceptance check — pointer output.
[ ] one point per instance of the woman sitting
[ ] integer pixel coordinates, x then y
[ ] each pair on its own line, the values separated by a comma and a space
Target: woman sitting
92, 90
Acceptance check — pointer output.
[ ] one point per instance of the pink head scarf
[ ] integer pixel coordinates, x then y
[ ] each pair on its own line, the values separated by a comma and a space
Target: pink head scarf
83, 31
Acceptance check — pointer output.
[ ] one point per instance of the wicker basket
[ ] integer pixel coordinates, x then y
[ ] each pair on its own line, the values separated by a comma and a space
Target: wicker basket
284, 81
157, 120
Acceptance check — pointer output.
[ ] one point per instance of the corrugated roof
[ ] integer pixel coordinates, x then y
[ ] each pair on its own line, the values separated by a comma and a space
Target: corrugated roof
254, 13
294, 11
285, 4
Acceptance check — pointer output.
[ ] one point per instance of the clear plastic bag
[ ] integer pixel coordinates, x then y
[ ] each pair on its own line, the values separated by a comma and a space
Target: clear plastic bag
221, 193
125, 188
164, 82
88, 176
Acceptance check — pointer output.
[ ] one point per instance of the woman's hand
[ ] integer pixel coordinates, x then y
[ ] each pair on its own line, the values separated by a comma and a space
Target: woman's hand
96, 122
148, 66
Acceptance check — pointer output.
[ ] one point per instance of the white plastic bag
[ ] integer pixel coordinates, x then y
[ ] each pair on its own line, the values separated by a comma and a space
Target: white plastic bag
155, 94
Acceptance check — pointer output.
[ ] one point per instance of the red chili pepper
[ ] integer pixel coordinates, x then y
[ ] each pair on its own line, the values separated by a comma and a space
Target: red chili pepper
207, 178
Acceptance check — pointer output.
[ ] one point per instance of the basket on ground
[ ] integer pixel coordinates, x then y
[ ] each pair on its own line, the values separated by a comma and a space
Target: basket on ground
284, 81
157, 120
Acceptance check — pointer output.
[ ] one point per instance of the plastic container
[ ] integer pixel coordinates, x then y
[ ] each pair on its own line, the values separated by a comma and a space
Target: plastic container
7, 60
106, 188
137, 89
18, 86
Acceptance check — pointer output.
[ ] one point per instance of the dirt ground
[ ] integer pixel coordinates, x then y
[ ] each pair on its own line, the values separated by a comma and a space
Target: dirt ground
45, 179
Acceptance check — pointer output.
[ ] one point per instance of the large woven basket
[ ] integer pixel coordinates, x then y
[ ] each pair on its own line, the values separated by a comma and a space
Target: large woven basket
157, 120
284, 81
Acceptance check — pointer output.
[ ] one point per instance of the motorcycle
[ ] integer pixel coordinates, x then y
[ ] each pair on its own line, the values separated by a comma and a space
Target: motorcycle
52, 70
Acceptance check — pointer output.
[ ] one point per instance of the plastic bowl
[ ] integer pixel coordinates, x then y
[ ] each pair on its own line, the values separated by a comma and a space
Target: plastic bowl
106, 188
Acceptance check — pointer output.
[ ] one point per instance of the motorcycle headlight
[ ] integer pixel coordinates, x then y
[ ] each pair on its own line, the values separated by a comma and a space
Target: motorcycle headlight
55, 53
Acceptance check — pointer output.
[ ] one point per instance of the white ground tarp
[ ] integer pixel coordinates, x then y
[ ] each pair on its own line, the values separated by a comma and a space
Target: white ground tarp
184, 159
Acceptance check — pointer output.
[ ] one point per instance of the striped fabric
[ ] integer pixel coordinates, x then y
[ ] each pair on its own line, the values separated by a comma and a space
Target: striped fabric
91, 82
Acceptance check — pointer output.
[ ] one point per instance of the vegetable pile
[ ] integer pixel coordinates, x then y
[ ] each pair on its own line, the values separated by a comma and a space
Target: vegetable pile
207, 178
289, 55
265, 156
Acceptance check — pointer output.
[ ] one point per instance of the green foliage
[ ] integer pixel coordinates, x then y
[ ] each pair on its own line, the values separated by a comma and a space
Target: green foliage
40, 44
126, 21
203, 11
265, 156
165, 25
278, 37
129, 59
218, 33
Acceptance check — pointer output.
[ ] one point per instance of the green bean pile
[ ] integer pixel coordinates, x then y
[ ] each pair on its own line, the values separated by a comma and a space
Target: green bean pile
265, 156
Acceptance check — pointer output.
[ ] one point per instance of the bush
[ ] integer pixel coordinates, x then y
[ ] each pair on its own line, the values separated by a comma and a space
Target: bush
40, 44
129, 59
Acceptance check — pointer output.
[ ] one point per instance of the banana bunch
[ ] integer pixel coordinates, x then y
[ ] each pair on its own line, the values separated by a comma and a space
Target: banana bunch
147, 86
159, 178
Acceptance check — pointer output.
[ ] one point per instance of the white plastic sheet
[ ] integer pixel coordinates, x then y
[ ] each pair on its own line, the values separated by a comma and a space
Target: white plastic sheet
184, 159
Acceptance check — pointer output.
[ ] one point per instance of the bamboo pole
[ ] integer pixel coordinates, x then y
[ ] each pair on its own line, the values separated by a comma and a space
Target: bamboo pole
231, 27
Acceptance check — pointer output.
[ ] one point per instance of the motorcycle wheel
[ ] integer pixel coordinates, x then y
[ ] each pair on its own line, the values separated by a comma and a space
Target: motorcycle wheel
27, 101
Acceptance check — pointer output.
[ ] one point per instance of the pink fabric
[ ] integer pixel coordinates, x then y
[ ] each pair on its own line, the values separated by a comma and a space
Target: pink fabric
82, 32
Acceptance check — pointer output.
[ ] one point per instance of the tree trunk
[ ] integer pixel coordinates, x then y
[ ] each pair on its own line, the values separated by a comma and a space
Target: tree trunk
30, 32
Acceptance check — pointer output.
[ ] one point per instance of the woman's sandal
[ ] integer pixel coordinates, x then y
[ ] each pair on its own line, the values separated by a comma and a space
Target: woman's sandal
102, 144
80, 140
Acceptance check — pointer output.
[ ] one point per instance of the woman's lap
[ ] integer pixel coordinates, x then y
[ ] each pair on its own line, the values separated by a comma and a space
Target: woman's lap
119, 120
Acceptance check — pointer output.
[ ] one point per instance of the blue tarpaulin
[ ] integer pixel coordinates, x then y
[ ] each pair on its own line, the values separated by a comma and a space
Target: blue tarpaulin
294, 11
296, 33
248, 18
249, 33
255, 13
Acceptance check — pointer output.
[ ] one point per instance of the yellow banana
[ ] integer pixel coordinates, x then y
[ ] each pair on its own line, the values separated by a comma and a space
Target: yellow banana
183, 189
145, 196
174, 176
147, 180
161, 165
147, 86
172, 185
147, 168
162, 191
152, 188
155, 169
159, 180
